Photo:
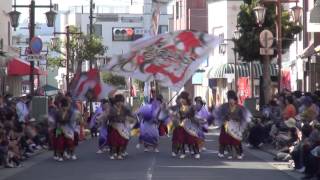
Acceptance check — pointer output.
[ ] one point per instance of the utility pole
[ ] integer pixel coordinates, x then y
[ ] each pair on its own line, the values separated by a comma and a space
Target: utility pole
279, 42
31, 35
68, 34
68, 56
91, 31
91, 24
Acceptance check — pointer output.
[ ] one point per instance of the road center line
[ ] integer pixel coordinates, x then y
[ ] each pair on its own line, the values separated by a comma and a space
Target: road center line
150, 169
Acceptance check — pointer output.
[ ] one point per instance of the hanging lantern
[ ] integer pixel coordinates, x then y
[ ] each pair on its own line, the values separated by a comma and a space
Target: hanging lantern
222, 48
296, 13
237, 33
51, 17
14, 18
260, 13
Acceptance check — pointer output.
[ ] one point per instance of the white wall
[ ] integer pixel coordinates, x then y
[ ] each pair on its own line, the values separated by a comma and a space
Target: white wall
222, 17
118, 47
5, 7
217, 22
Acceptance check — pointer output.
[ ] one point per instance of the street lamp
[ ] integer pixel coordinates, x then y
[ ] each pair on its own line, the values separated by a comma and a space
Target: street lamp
14, 18
237, 33
260, 13
222, 48
51, 17
296, 13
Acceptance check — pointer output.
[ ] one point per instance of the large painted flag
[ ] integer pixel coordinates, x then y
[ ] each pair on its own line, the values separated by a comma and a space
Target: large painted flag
170, 59
88, 87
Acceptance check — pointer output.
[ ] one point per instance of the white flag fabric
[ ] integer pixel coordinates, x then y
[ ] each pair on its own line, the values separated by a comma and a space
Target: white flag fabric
170, 59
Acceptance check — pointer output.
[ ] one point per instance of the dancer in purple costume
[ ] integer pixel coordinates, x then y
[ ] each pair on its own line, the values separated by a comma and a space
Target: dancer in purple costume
101, 122
202, 114
149, 132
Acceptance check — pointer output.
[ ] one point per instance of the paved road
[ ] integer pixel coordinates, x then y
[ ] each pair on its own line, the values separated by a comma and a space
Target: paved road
149, 166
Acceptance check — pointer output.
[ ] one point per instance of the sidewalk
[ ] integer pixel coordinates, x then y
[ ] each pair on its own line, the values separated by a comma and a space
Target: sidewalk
267, 153
33, 160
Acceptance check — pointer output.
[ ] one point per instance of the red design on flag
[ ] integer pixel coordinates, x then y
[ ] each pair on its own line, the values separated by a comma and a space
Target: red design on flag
189, 41
89, 87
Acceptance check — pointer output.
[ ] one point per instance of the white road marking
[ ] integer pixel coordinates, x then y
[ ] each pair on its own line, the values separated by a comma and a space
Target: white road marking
150, 169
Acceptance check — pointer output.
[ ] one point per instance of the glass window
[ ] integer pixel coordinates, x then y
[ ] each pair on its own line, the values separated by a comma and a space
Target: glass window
162, 29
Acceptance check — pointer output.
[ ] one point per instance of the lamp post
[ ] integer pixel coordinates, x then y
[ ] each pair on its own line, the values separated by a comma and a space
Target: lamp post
222, 50
68, 33
14, 18
260, 13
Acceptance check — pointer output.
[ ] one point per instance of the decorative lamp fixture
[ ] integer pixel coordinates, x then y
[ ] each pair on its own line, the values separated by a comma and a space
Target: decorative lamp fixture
237, 33
296, 13
51, 17
14, 18
260, 13
222, 48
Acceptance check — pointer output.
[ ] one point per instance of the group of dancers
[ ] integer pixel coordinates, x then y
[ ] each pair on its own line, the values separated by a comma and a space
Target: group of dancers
187, 121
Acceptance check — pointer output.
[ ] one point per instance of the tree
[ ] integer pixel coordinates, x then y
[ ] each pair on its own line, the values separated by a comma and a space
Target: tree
115, 80
92, 45
248, 45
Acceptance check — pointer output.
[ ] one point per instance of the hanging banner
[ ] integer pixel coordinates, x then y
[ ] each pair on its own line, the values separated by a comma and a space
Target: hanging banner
285, 80
244, 90
170, 59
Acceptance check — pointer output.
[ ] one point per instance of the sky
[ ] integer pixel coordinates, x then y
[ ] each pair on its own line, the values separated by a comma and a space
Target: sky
65, 4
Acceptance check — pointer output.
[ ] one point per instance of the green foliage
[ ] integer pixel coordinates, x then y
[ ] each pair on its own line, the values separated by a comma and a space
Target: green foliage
91, 46
55, 62
248, 45
139, 84
109, 78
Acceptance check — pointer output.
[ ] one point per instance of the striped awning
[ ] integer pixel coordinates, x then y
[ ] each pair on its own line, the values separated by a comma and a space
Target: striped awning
243, 70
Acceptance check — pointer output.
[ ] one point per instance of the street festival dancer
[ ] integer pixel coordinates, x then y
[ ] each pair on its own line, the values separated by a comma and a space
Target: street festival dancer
186, 127
67, 123
202, 114
149, 131
99, 122
233, 119
119, 117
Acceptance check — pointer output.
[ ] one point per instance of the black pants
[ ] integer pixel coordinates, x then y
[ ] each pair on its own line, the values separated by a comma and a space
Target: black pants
312, 165
94, 131
3, 155
178, 148
256, 135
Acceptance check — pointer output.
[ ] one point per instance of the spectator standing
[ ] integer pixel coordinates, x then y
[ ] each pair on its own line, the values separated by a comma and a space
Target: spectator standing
22, 110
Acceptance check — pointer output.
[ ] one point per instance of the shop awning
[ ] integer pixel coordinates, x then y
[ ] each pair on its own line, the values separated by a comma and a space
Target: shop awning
243, 70
19, 67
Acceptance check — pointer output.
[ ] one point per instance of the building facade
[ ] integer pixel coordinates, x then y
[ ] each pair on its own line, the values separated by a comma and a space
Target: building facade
20, 41
193, 15
118, 26
7, 84
222, 22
